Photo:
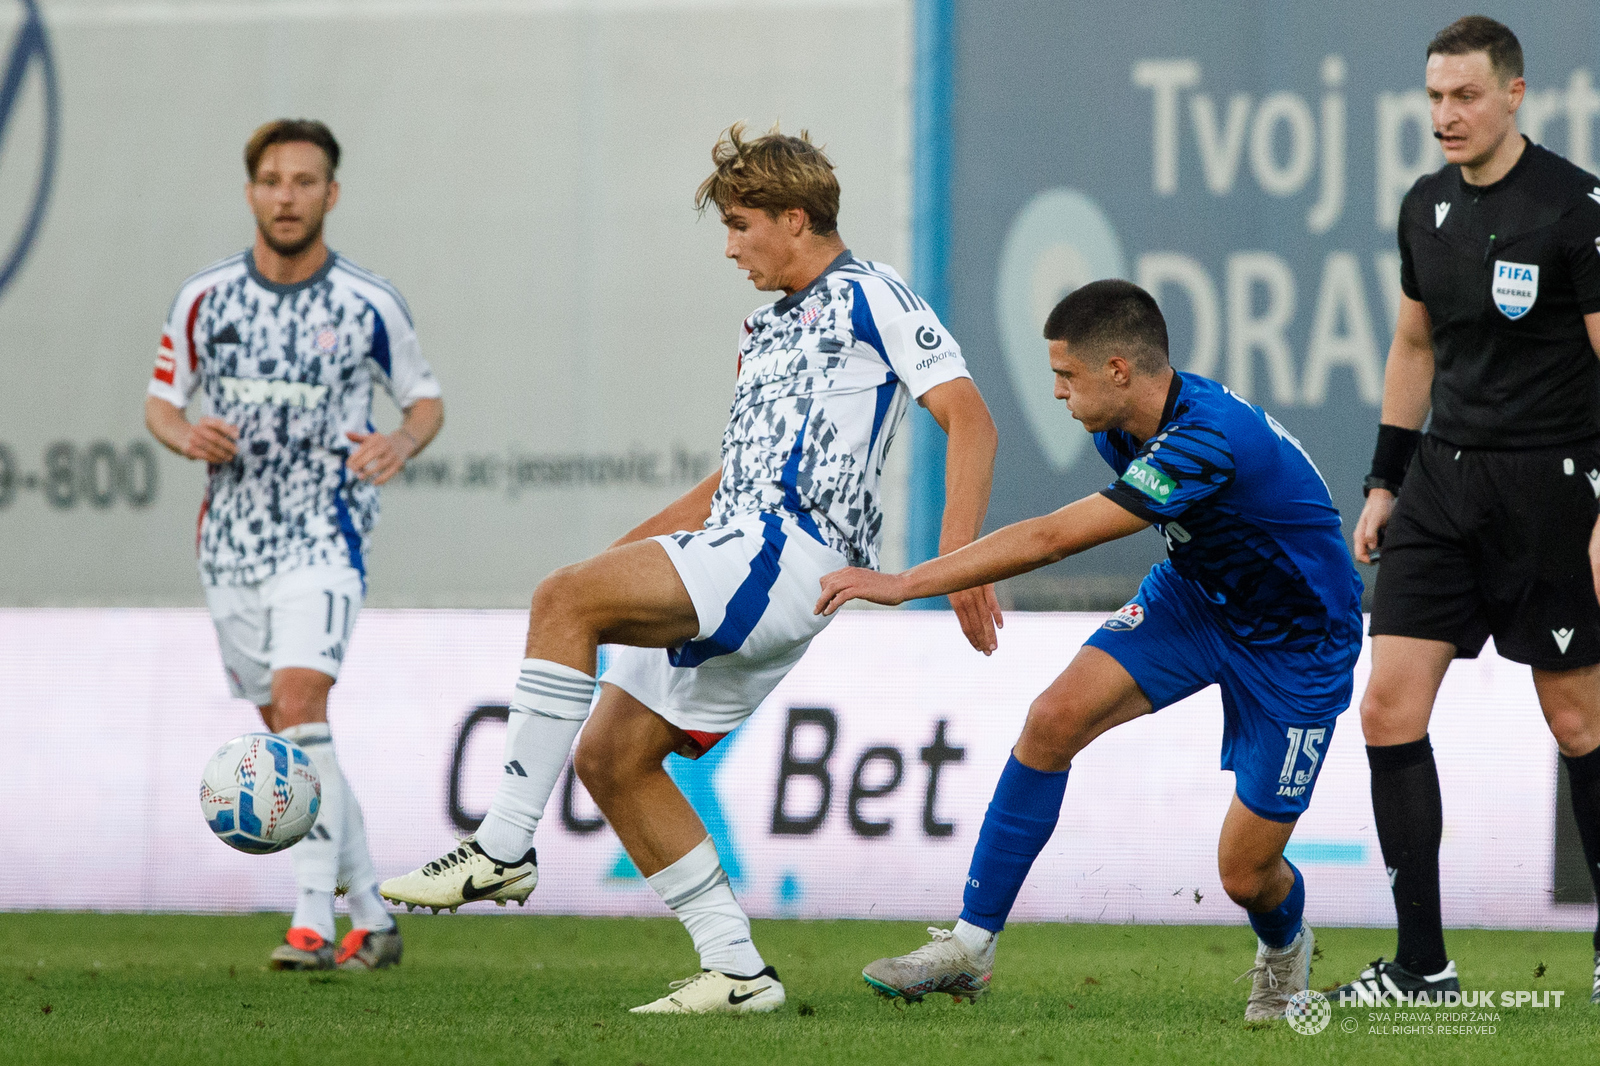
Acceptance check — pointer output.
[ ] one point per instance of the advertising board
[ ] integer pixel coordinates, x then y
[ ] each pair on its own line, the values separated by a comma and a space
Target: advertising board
857, 790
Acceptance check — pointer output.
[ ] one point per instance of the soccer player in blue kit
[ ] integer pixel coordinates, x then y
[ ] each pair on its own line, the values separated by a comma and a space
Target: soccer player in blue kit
1258, 595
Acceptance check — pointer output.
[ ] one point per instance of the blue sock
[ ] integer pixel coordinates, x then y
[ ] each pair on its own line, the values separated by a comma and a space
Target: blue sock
1021, 817
1278, 927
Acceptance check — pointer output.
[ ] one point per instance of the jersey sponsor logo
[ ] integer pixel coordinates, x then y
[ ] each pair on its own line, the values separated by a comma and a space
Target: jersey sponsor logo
166, 363
1130, 617
263, 390
1563, 638
934, 359
1439, 213
1148, 480
929, 338
1516, 287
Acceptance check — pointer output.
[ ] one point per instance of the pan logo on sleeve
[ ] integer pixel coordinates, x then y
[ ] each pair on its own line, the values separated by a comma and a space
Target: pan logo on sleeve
1516, 287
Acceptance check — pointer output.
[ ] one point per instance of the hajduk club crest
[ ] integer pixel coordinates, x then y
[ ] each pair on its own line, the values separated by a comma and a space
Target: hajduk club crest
1516, 287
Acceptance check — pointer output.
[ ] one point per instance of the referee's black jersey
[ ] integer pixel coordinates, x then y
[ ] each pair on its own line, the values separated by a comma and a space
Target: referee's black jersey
1507, 272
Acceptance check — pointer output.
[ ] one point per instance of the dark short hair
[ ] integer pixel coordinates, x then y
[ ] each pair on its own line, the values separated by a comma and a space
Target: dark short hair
772, 173
1479, 33
285, 130
1112, 314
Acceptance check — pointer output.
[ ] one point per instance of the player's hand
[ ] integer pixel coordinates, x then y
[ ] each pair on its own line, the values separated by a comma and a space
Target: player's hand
979, 613
211, 439
1370, 526
855, 583
380, 456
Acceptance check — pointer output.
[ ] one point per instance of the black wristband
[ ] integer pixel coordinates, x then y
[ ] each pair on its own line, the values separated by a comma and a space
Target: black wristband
1393, 454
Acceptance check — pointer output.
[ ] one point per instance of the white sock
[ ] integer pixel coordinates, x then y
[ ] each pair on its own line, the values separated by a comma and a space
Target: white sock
314, 911
356, 872
549, 708
699, 894
316, 857
367, 909
978, 941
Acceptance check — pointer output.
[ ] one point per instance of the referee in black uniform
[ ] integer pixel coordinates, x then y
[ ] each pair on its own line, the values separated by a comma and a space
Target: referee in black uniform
1494, 532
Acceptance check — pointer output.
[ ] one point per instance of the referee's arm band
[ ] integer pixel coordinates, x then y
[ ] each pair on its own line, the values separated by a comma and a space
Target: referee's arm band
1391, 457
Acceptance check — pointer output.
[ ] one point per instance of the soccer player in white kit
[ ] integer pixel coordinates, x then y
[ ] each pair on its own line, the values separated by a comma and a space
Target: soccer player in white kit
714, 595
285, 342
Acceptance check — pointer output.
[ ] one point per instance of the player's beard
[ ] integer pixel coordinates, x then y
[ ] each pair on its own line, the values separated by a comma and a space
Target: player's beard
290, 249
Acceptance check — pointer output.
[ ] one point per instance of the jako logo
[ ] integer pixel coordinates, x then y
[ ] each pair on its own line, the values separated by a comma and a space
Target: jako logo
30, 45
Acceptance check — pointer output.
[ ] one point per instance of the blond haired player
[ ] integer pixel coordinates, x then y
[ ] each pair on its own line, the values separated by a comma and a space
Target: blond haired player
714, 595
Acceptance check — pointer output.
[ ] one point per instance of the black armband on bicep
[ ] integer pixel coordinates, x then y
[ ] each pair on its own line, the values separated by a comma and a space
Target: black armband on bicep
1392, 456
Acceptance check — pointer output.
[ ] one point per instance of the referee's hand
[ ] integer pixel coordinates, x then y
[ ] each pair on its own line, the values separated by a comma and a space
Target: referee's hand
1370, 526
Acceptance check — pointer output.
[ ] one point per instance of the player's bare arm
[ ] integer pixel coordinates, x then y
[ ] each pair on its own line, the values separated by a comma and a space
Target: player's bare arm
1407, 388
210, 439
688, 511
380, 456
959, 409
1015, 549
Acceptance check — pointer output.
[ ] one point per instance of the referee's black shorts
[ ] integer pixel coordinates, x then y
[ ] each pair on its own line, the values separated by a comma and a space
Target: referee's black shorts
1495, 543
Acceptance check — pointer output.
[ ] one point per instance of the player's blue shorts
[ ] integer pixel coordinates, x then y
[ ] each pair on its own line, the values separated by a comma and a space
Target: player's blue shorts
1278, 707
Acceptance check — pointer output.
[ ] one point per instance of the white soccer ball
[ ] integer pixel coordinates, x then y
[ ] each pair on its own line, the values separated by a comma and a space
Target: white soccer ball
260, 793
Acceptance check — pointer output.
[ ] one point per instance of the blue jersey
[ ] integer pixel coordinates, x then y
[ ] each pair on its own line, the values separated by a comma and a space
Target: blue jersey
1245, 514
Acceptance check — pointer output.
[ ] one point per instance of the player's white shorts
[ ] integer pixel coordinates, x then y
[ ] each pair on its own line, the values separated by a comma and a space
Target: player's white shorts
302, 617
755, 583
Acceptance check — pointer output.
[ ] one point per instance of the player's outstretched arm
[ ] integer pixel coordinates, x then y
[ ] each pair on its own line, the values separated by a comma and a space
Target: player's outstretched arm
1015, 549
959, 409
1407, 395
210, 439
688, 511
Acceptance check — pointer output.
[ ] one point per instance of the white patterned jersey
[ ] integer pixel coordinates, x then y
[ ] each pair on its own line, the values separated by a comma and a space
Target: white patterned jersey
293, 367
825, 375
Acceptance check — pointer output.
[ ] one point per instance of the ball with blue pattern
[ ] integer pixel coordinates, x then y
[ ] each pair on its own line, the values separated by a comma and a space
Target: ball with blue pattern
260, 793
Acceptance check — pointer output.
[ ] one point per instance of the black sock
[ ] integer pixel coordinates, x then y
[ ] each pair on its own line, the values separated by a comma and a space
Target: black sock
1410, 820
1584, 773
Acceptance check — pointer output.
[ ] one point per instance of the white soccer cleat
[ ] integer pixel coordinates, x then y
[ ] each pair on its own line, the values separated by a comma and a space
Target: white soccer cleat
712, 992
942, 965
1278, 974
464, 875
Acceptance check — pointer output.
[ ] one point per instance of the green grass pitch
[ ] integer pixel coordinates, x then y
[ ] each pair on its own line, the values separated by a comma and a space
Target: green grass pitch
109, 989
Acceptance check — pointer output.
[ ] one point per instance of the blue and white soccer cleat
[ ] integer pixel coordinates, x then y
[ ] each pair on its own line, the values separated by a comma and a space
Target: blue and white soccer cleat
1277, 975
943, 964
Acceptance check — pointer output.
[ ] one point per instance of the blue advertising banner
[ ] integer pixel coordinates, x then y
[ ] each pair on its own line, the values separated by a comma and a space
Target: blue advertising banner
1244, 162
